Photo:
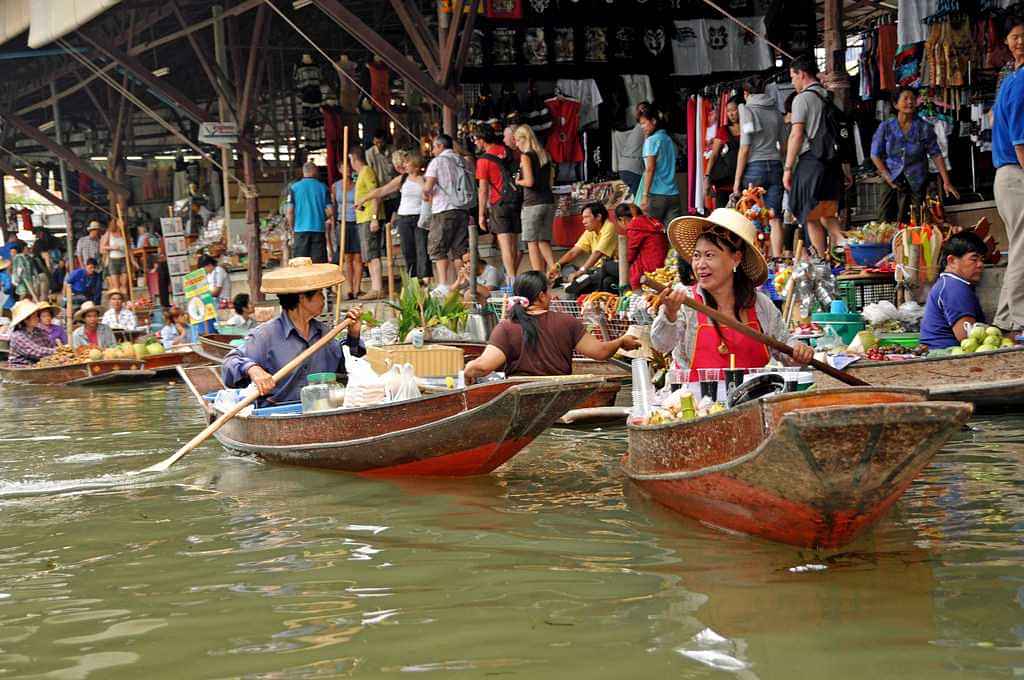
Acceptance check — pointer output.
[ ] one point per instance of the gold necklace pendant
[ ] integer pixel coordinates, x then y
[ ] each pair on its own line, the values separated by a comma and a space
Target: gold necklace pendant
723, 348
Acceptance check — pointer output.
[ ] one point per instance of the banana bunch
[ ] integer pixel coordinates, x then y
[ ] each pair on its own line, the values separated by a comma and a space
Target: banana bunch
666, 276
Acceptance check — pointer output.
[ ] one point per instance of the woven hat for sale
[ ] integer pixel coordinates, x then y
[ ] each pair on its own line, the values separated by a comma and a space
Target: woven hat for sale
301, 276
22, 310
88, 306
683, 232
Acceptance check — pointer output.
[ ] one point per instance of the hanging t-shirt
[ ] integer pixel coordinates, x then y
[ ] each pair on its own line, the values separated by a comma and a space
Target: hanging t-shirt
586, 93
624, 43
380, 86
504, 10
721, 38
503, 46
638, 89
690, 49
753, 53
626, 150
595, 45
655, 40
564, 139
535, 49
564, 45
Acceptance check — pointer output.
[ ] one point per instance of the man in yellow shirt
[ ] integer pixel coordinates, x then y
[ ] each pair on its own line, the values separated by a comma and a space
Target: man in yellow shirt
368, 222
599, 240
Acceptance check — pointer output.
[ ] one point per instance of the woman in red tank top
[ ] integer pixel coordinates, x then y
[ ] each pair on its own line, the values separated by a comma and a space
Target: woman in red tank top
729, 269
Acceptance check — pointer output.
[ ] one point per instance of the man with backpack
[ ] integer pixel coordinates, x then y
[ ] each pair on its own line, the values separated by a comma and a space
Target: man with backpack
449, 188
500, 198
817, 156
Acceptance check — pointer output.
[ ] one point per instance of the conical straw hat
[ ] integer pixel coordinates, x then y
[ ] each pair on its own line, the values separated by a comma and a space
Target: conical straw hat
22, 310
683, 232
301, 276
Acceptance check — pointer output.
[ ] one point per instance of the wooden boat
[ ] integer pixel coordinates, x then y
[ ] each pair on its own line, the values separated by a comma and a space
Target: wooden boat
89, 374
458, 433
990, 380
215, 346
167, 363
811, 469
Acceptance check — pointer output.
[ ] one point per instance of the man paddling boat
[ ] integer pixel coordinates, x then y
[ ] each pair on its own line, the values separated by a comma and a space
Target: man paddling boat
271, 345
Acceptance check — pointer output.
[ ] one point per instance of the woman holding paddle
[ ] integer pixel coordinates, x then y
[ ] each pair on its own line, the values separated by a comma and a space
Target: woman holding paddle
729, 268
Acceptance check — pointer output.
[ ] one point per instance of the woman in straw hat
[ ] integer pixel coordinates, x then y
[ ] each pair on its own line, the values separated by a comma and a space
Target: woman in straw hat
729, 268
92, 332
271, 345
29, 342
47, 321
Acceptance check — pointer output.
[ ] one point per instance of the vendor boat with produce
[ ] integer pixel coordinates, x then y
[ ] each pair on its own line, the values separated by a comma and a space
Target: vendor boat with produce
454, 433
811, 469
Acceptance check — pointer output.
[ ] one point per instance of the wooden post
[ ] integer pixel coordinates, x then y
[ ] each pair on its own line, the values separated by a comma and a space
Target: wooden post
127, 251
341, 225
68, 228
252, 229
221, 57
623, 264
835, 77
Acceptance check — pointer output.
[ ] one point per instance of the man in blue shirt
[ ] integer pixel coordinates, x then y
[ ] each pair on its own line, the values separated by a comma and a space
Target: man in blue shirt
308, 210
273, 344
1008, 158
952, 304
85, 283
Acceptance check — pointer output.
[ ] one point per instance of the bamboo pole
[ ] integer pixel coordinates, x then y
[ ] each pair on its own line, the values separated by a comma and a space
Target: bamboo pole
340, 219
127, 252
790, 301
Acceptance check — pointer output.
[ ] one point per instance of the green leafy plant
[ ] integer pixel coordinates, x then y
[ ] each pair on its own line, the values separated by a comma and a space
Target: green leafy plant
418, 308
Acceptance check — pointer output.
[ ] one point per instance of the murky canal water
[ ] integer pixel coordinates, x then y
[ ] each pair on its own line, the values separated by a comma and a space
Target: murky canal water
553, 567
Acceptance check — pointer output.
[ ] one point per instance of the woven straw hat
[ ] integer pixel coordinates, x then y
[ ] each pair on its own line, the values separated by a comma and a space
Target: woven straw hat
88, 306
683, 232
94, 226
22, 310
301, 276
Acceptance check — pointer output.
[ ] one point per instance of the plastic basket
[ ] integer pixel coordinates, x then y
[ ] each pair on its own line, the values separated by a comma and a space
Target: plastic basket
901, 339
869, 198
868, 254
859, 294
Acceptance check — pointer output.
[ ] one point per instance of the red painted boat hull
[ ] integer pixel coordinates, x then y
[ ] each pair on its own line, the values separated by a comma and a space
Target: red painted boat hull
810, 469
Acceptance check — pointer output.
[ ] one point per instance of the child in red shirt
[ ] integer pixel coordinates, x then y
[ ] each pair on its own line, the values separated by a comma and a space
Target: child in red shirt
648, 245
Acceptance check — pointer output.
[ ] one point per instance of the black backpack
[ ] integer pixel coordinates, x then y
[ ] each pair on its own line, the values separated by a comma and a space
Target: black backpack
511, 194
834, 141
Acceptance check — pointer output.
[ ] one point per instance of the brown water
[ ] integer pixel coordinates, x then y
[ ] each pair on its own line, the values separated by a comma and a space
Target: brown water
553, 567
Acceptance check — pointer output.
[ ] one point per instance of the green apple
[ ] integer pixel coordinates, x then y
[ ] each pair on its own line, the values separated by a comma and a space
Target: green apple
978, 332
986, 348
993, 331
1007, 342
956, 350
969, 344
992, 340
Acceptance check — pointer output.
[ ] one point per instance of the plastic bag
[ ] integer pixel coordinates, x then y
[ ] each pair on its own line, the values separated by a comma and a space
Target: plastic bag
389, 332
877, 313
443, 334
365, 387
227, 399
910, 314
404, 387
829, 340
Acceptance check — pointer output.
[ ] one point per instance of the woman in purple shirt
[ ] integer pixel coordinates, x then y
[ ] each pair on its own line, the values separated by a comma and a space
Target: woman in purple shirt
29, 342
952, 304
900, 151
46, 322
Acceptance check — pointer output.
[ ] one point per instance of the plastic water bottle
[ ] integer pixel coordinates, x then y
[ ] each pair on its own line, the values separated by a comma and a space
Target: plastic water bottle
643, 390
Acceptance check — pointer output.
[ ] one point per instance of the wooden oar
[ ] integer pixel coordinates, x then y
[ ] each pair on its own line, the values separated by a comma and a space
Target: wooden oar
760, 337
237, 408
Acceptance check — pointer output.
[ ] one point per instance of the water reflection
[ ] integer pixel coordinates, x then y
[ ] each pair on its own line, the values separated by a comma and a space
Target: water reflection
554, 567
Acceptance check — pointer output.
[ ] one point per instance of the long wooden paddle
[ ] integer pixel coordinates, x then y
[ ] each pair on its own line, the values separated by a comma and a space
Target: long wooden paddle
280, 375
760, 337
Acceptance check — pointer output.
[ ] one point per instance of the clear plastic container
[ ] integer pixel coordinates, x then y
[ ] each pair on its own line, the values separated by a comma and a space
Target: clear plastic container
316, 395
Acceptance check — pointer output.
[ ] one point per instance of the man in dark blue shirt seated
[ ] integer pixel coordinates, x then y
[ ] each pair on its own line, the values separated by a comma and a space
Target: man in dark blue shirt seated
271, 345
86, 283
952, 304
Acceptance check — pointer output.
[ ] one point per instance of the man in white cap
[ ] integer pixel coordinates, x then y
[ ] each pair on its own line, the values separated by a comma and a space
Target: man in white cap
271, 345
88, 247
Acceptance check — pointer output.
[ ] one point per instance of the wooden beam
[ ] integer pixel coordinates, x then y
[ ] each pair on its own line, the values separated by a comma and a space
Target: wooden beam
448, 48
255, 49
415, 26
100, 109
162, 88
31, 184
220, 87
459, 64
394, 59
63, 153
